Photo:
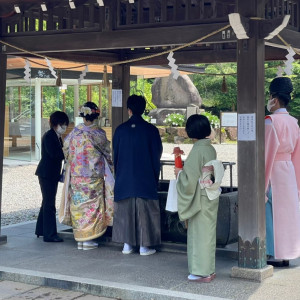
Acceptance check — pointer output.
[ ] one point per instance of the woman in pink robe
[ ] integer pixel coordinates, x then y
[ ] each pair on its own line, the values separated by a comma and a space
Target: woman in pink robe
282, 176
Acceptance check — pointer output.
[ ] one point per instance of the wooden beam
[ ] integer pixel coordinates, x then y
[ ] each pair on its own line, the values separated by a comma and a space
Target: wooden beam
41, 20
163, 11
61, 14
128, 13
88, 57
140, 10
3, 66
69, 16
50, 21
117, 39
31, 21
91, 15
80, 11
195, 55
151, 12
188, 5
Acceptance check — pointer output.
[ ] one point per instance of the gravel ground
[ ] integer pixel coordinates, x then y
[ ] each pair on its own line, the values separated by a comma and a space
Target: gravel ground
21, 196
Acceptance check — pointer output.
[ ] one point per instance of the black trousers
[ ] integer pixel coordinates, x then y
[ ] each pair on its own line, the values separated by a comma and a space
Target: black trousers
46, 222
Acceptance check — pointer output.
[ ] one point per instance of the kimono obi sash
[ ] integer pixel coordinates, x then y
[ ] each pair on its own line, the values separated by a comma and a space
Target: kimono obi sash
212, 170
206, 181
283, 157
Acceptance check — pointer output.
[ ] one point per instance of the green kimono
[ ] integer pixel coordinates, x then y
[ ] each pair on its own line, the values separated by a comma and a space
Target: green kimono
201, 213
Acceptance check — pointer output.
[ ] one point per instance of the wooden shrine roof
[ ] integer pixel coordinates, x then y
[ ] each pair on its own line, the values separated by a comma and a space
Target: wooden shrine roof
121, 31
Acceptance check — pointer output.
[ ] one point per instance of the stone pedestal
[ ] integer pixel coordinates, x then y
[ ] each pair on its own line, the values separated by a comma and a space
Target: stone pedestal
3, 239
252, 274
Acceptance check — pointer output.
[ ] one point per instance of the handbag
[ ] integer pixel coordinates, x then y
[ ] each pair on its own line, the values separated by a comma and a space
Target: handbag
172, 197
64, 214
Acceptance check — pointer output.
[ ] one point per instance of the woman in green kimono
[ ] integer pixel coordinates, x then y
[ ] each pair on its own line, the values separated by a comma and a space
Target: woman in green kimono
194, 205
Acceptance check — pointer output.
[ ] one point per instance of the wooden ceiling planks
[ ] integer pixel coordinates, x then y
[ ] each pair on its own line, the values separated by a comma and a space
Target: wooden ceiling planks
96, 34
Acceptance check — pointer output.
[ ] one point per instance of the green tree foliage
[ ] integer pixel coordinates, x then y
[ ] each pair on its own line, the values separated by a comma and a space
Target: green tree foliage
210, 87
294, 107
270, 74
143, 87
213, 120
214, 100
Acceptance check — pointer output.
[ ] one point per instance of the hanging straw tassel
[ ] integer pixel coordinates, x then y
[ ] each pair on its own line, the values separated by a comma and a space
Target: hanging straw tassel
224, 85
58, 79
105, 78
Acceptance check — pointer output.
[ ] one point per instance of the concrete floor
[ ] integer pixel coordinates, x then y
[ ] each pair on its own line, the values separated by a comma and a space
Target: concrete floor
107, 272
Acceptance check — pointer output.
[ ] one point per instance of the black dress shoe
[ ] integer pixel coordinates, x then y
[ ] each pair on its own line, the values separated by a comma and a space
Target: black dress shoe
278, 263
55, 239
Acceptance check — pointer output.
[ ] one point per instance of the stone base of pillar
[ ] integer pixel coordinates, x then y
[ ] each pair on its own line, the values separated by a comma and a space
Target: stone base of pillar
3, 239
252, 274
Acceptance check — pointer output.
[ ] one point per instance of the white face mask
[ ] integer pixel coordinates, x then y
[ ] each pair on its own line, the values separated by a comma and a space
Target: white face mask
61, 129
270, 104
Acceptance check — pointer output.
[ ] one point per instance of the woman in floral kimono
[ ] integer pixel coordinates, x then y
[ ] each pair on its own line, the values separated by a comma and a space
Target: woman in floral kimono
87, 152
282, 176
195, 206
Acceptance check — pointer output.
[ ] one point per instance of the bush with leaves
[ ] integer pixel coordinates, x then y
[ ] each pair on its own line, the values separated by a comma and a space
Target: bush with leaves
175, 120
146, 118
213, 120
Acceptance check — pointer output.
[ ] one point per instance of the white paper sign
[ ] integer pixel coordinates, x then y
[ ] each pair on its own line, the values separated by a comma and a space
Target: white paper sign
78, 120
116, 98
246, 127
229, 119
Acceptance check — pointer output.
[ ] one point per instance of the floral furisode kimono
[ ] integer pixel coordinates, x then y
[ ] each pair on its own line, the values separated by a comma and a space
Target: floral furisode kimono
87, 152
282, 183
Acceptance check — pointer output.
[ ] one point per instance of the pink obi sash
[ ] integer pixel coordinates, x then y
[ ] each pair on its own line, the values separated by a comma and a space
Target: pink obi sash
207, 168
207, 171
283, 157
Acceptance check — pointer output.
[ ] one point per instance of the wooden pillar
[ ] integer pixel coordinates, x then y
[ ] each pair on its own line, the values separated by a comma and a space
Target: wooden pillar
251, 163
100, 99
42, 92
3, 66
76, 102
109, 96
120, 80
20, 99
64, 102
37, 118
6, 134
89, 93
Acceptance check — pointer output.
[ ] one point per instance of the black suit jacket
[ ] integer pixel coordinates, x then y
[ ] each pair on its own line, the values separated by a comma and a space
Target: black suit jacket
49, 166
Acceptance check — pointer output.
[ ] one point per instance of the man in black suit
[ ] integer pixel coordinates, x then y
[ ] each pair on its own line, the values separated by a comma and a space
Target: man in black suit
48, 171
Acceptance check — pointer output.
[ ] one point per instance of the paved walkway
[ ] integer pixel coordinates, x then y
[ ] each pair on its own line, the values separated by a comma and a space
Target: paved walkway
10, 290
107, 272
